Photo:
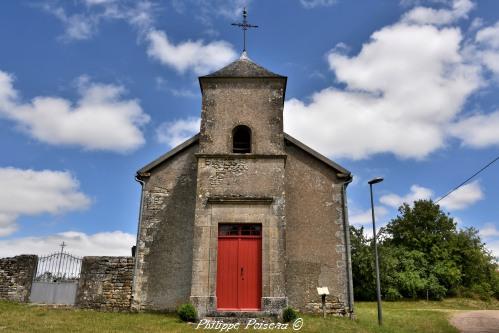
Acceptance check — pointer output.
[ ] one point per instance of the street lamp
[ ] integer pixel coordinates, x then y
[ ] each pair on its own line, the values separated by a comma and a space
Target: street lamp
378, 286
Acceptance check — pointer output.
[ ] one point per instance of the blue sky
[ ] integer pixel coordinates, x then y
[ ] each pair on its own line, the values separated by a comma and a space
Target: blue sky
92, 90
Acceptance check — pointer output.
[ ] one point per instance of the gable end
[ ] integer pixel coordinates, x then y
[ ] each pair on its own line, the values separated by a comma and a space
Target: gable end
181, 147
342, 172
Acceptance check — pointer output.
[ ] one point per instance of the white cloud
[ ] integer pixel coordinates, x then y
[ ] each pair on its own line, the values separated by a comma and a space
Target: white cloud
463, 197
489, 230
478, 131
197, 56
98, 2
309, 4
427, 15
184, 93
487, 48
31, 192
176, 132
490, 235
402, 89
417, 193
100, 120
493, 245
229, 9
77, 27
116, 243
208, 12
162, 84
489, 36
83, 23
365, 217
7, 224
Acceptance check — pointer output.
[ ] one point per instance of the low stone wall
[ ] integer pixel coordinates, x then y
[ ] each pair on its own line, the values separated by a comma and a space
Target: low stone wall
333, 307
105, 283
16, 276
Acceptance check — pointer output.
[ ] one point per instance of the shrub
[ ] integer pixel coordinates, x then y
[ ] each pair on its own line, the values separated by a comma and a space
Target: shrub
465, 292
289, 314
392, 294
435, 290
483, 291
187, 312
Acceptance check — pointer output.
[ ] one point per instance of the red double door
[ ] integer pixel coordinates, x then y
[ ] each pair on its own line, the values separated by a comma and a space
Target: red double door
239, 267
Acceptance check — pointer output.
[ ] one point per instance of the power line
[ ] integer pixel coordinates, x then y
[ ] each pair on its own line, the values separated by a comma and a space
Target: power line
467, 180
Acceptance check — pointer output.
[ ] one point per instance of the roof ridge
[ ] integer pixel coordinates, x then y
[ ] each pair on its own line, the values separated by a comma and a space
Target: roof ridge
243, 67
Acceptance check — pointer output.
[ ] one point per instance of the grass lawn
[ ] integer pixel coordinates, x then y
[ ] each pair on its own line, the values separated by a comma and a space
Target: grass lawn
418, 316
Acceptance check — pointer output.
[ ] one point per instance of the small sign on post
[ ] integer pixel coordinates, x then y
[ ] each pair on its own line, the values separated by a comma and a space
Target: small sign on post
323, 291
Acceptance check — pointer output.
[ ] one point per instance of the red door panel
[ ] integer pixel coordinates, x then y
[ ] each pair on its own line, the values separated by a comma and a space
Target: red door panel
227, 278
250, 272
239, 267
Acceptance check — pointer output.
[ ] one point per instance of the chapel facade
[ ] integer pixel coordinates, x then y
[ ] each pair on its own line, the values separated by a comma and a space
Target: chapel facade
242, 217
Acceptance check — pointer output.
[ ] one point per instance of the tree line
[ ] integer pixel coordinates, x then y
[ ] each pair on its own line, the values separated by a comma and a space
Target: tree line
423, 255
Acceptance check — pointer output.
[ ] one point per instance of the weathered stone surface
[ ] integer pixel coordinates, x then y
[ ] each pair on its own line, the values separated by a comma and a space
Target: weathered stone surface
315, 248
254, 102
164, 251
105, 283
332, 307
16, 276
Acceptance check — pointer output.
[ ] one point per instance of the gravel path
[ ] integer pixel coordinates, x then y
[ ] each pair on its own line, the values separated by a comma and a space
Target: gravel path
483, 321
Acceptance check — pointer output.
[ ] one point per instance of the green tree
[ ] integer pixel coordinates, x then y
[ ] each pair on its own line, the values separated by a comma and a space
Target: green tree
478, 267
423, 254
362, 265
423, 227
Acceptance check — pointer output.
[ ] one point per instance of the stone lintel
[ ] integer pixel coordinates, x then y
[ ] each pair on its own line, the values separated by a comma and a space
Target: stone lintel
240, 200
242, 156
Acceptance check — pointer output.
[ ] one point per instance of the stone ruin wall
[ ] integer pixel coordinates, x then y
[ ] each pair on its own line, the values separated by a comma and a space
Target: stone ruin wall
16, 276
105, 283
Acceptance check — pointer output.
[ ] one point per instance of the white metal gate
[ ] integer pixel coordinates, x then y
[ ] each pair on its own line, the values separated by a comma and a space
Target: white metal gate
56, 279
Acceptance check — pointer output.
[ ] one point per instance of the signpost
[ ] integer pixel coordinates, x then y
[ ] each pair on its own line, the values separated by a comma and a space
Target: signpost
323, 291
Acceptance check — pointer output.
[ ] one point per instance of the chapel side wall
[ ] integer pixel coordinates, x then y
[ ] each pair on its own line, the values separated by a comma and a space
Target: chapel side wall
164, 250
16, 277
315, 243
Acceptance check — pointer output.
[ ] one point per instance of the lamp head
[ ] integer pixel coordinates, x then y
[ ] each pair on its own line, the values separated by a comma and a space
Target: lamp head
375, 180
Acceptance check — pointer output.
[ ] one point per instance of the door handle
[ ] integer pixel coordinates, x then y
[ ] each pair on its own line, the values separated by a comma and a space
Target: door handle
242, 273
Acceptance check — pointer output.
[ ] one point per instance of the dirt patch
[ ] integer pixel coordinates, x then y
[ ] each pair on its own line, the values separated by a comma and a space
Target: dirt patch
482, 321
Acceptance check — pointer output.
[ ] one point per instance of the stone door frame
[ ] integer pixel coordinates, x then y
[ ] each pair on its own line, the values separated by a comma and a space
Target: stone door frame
203, 294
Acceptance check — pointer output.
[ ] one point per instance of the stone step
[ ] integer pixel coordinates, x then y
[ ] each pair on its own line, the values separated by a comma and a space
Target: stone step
242, 320
241, 314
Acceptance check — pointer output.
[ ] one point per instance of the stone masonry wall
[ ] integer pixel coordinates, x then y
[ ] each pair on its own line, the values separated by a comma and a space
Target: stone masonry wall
16, 276
333, 307
315, 249
254, 102
164, 249
105, 283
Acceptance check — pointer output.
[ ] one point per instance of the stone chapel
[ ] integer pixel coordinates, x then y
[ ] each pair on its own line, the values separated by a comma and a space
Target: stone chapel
242, 217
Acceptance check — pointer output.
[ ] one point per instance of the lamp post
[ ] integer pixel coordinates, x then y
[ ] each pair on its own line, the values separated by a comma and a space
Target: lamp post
378, 285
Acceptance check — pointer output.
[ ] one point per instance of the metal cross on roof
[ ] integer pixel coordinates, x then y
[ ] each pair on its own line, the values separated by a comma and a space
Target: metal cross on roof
63, 245
244, 26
